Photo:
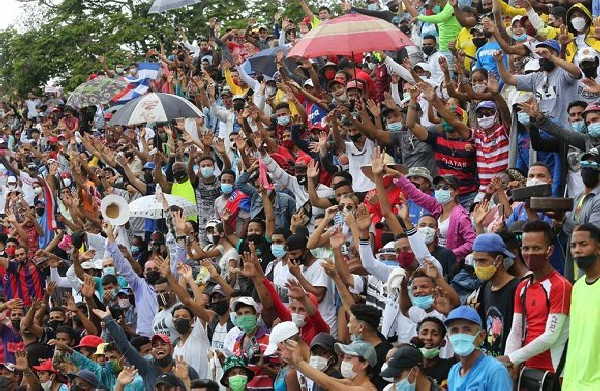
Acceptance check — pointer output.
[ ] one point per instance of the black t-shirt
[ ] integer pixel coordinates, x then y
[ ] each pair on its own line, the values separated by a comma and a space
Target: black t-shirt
439, 372
446, 258
496, 309
382, 350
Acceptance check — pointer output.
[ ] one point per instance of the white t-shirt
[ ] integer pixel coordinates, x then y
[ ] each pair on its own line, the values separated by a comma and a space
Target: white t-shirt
219, 336
27, 187
281, 275
416, 315
357, 159
443, 231
194, 350
163, 324
316, 276
230, 339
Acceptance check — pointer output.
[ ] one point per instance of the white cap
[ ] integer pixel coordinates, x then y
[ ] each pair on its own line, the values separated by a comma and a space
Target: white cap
585, 54
247, 300
532, 65
11, 179
242, 97
280, 333
92, 264
309, 82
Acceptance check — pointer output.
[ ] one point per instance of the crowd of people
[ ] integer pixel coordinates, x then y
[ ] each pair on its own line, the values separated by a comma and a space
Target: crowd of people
421, 219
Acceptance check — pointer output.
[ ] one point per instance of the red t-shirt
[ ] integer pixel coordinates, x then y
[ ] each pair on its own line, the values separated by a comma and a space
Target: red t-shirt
552, 295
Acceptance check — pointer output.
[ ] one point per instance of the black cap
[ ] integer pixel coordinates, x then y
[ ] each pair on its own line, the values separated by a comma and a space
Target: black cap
296, 242
170, 380
406, 357
324, 340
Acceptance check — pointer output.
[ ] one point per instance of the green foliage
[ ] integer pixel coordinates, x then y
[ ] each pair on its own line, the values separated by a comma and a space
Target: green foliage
62, 39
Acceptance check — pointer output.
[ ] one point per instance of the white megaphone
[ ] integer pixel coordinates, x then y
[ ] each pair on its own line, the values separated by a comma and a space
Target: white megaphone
115, 210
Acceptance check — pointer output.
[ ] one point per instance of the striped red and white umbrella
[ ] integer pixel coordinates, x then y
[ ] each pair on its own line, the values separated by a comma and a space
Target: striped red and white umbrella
350, 34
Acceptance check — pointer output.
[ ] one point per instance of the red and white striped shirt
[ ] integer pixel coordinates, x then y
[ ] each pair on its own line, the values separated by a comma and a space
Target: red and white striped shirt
491, 151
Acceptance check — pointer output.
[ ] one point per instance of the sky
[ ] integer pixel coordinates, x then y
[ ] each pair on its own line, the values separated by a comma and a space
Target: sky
11, 9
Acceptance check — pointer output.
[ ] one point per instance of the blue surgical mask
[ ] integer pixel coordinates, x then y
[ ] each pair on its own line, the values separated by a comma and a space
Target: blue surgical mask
594, 130
207, 172
424, 302
578, 126
404, 385
278, 250
109, 270
463, 344
520, 38
394, 127
135, 250
523, 118
443, 196
226, 188
283, 120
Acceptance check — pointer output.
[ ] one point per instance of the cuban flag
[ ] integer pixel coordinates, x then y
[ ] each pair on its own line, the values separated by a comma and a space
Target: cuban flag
237, 201
47, 221
146, 72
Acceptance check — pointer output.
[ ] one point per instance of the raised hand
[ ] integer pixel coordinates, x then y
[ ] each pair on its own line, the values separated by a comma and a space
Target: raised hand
531, 107
21, 362
179, 222
403, 212
312, 170
163, 265
50, 288
89, 287
14, 304
110, 231
377, 162
430, 270
86, 256
127, 375
295, 290
329, 269
337, 239
363, 218
212, 270
181, 368
480, 211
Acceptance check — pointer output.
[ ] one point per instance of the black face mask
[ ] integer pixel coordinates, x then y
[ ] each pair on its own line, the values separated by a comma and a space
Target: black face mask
152, 277
148, 178
220, 307
405, 29
590, 177
589, 69
585, 262
182, 325
428, 50
546, 65
76, 387
55, 323
479, 42
300, 260
16, 324
164, 362
180, 176
256, 239
39, 211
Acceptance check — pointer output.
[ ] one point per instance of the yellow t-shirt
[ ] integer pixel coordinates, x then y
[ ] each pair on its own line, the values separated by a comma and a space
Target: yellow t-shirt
235, 89
464, 42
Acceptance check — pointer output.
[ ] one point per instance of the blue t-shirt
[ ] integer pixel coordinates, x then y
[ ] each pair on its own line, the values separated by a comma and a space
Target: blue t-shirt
416, 212
487, 374
485, 57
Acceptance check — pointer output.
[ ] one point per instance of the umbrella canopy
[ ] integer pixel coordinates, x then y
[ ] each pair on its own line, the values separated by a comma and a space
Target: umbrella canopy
265, 61
150, 207
154, 107
350, 34
165, 5
99, 90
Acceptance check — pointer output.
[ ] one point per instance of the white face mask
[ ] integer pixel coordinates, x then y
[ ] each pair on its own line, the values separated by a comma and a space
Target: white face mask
578, 23
317, 362
387, 379
486, 122
124, 303
47, 385
298, 319
535, 182
346, 369
479, 88
428, 233
67, 182
37, 190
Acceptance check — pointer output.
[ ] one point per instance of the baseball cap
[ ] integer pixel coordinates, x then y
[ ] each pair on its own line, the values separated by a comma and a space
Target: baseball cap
449, 179
324, 340
240, 97
9, 366
296, 242
464, 312
101, 349
360, 349
422, 172
486, 104
217, 289
334, 81
516, 19
309, 82
355, 84
234, 362
149, 166
586, 54
170, 380
550, 44
87, 376
246, 300
491, 243
226, 91
212, 224
591, 108
280, 333
163, 337
11, 179
45, 366
90, 341
407, 356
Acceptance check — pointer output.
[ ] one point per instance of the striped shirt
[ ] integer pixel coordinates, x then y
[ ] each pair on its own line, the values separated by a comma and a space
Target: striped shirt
23, 281
491, 149
455, 157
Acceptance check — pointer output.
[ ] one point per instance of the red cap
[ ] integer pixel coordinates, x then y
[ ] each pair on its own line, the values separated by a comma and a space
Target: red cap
303, 160
45, 366
355, 84
90, 341
52, 139
162, 337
